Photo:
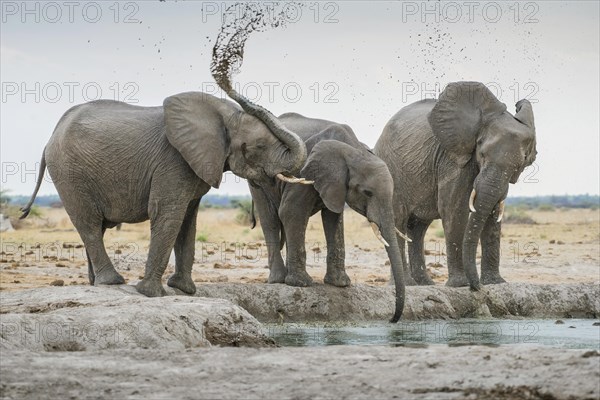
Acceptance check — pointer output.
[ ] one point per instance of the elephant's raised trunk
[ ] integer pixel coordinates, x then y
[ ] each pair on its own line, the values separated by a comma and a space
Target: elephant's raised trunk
295, 154
490, 188
228, 54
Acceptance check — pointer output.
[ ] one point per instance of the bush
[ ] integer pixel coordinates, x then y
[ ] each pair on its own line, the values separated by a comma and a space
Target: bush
202, 237
546, 207
517, 216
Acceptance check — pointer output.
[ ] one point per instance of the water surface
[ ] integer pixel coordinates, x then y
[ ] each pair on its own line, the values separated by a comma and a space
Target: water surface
573, 333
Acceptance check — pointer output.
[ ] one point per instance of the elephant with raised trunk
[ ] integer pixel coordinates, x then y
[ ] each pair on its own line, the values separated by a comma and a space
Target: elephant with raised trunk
342, 170
453, 158
112, 162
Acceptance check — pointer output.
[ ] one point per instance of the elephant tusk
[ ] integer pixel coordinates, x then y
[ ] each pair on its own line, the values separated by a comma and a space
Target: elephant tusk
293, 179
378, 234
403, 236
500, 211
472, 200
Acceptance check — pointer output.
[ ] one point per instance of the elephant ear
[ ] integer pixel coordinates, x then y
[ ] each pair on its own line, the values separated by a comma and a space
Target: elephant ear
525, 116
327, 167
197, 130
462, 109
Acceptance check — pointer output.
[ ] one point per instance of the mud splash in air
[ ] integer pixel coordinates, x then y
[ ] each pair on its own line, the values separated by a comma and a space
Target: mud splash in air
239, 22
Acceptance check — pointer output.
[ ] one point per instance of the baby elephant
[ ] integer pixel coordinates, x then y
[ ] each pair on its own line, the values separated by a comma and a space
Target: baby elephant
343, 171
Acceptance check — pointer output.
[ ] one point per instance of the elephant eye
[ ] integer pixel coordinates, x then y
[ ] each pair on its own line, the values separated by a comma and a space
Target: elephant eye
368, 193
244, 150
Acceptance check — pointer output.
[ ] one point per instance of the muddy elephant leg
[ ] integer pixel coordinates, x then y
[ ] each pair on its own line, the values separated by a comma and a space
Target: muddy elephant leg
294, 216
490, 249
166, 219
91, 275
102, 270
184, 251
271, 227
454, 233
333, 224
89, 224
454, 189
416, 252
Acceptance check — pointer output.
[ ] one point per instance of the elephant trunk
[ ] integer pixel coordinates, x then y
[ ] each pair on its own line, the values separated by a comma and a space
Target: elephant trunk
490, 188
292, 158
393, 251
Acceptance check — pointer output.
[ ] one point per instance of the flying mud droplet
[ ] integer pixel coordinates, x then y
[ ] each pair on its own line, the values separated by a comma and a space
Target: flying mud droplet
239, 22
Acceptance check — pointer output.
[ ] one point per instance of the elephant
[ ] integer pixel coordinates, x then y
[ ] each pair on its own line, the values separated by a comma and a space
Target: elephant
342, 170
114, 163
450, 156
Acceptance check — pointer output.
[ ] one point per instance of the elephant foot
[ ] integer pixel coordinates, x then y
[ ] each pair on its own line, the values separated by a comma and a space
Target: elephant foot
150, 288
182, 282
492, 279
109, 276
299, 278
422, 279
457, 281
338, 278
277, 274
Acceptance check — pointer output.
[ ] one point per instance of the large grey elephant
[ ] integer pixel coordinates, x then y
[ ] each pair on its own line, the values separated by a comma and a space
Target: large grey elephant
112, 162
453, 158
343, 171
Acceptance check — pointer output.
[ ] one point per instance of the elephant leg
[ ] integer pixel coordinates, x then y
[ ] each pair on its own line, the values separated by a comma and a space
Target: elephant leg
271, 227
454, 239
184, 251
333, 224
100, 269
416, 252
453, 206
166, 219
294, 214
91, 276
490, 251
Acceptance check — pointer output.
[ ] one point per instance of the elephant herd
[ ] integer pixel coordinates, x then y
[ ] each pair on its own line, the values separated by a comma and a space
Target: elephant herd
450, 158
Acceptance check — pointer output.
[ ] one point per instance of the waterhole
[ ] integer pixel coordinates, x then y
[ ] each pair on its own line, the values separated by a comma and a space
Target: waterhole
567, 333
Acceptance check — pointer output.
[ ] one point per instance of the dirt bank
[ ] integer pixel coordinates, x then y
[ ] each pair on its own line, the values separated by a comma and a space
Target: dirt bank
272, 303
281, 303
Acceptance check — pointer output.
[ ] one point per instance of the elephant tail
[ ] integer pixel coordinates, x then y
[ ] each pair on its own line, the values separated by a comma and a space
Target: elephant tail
28, 206
252, 216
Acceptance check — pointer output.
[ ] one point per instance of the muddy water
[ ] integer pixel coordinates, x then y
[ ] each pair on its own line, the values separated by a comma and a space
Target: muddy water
572, 333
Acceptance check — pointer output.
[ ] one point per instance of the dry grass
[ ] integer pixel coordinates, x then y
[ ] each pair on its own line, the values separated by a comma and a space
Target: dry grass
564, 246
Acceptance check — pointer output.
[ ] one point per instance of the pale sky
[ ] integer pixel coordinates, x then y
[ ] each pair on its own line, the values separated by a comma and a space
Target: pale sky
351, 62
